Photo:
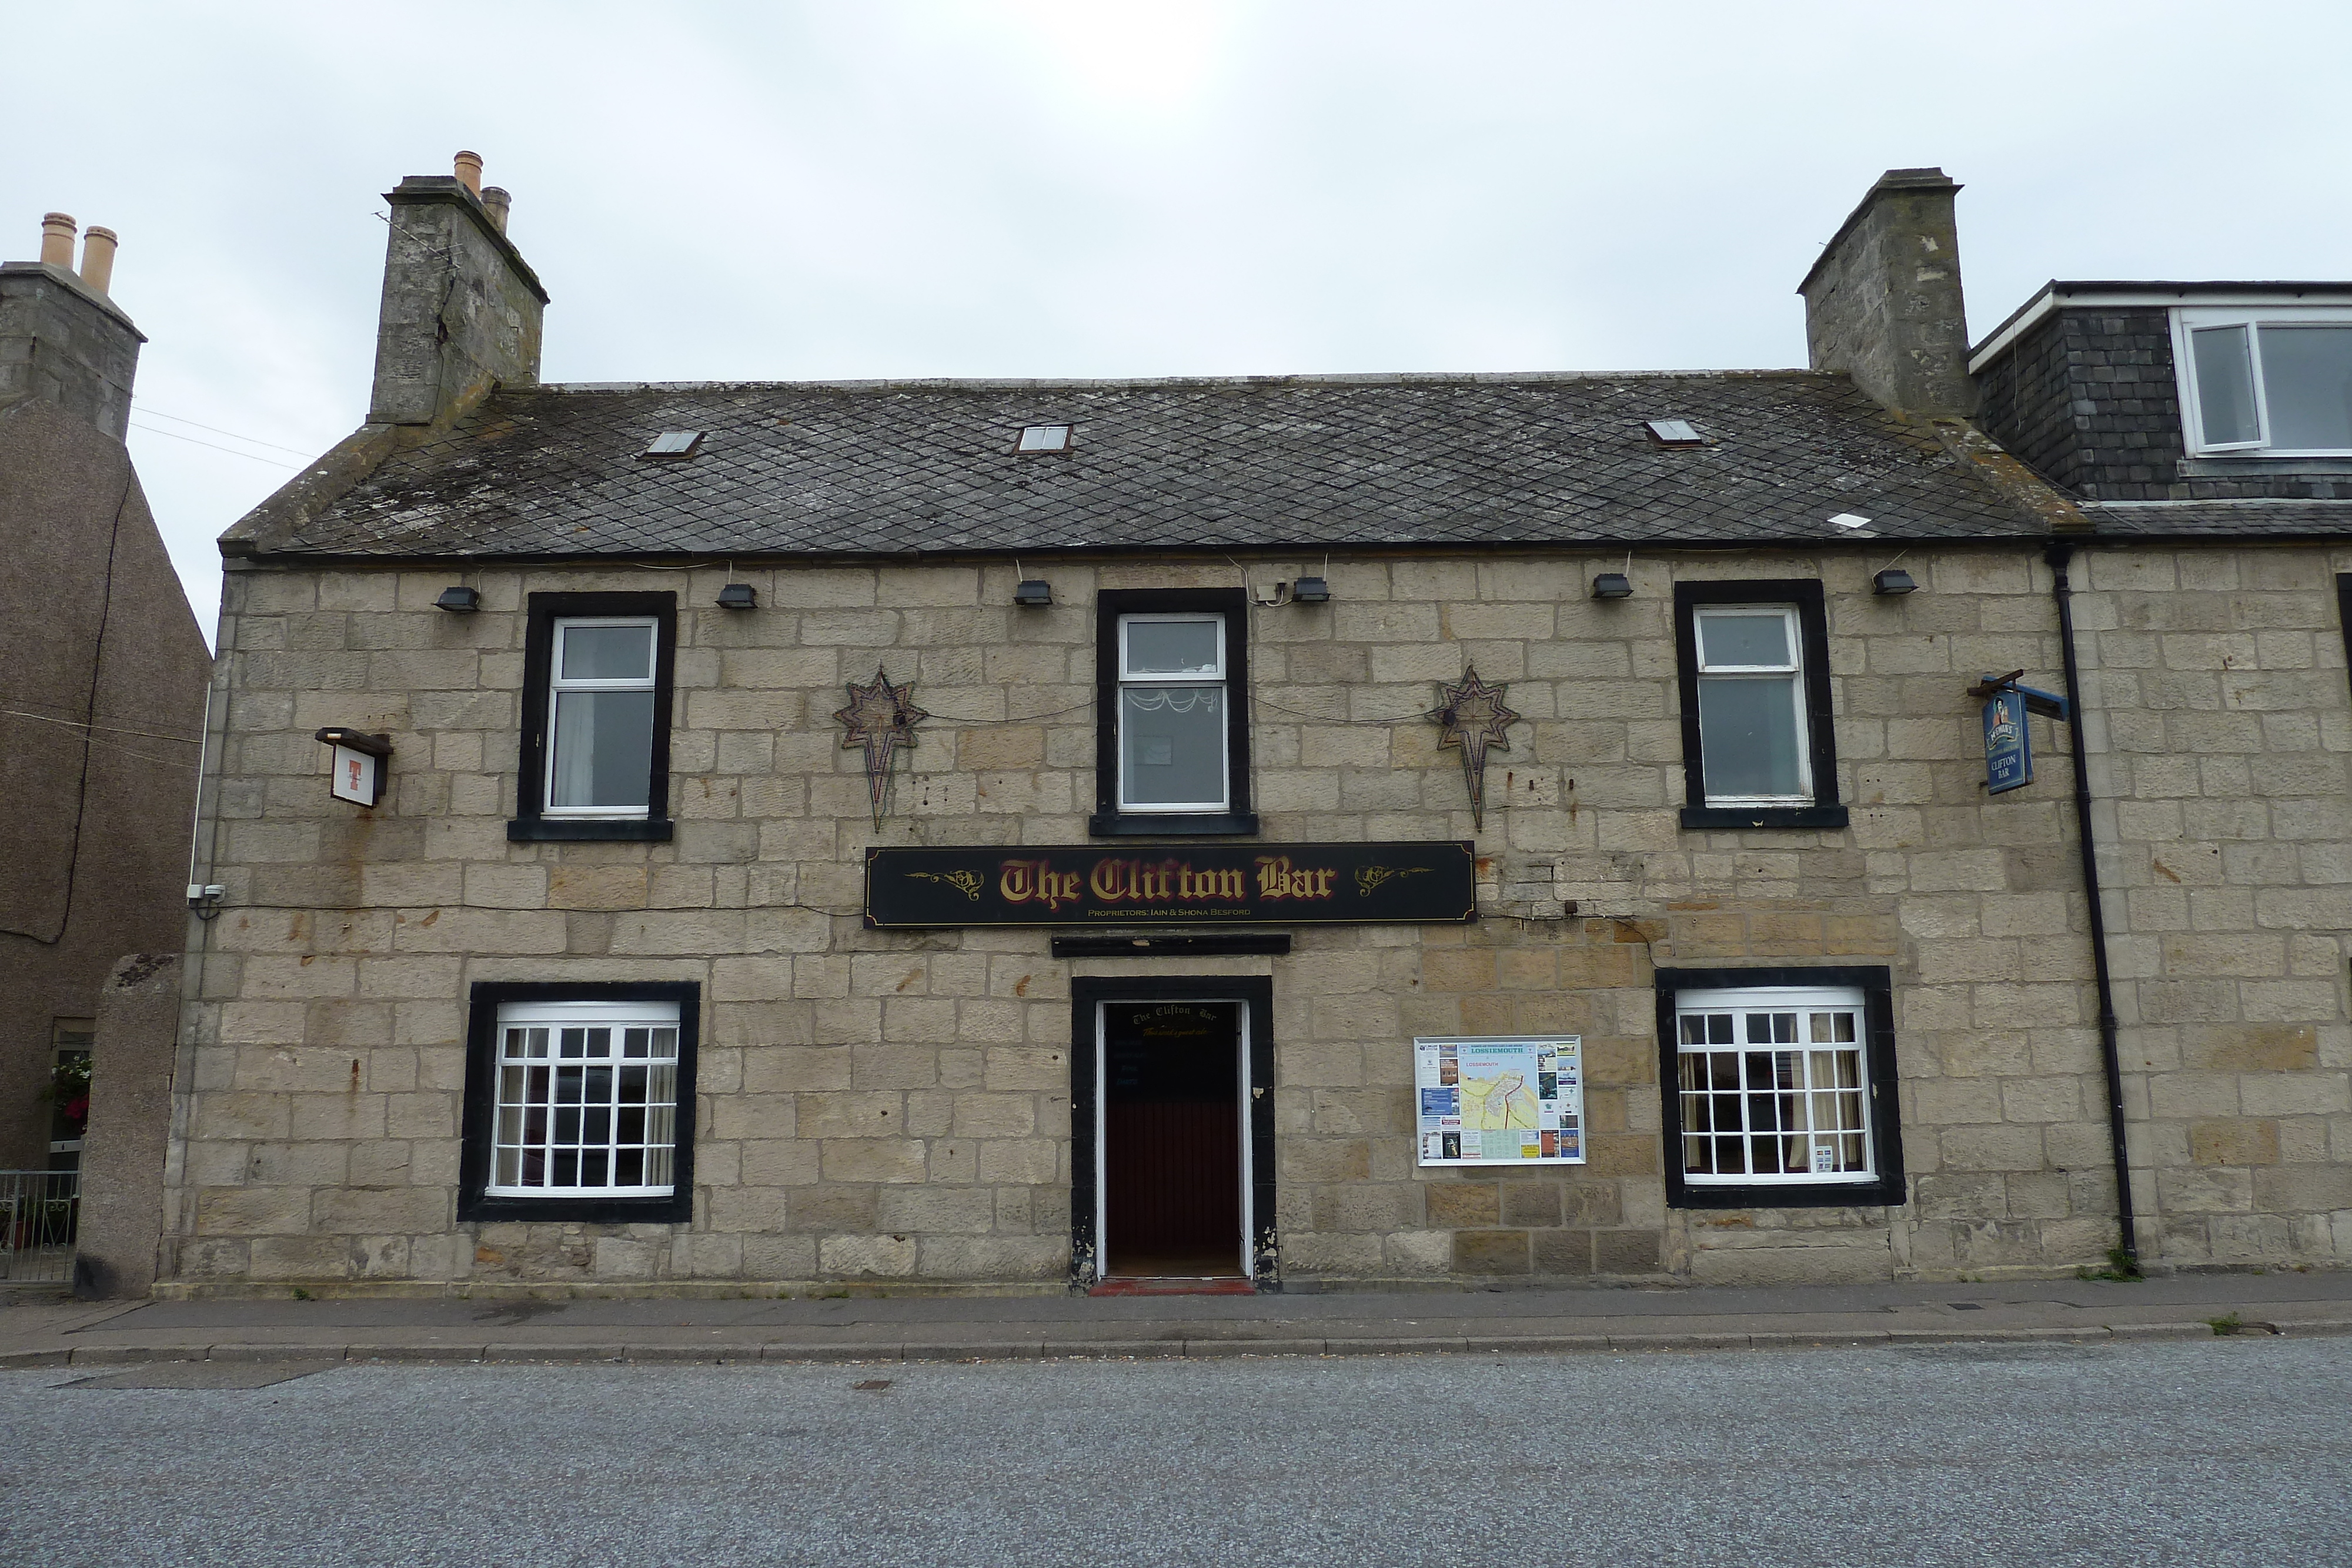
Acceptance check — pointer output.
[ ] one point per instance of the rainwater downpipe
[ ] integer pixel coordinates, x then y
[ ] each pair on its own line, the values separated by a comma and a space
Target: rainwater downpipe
2057, 556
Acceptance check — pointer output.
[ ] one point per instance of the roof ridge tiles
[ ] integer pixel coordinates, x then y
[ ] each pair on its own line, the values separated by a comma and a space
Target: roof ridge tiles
1157, 383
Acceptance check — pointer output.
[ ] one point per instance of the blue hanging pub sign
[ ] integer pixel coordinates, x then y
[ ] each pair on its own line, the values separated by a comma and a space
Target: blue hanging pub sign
2008, 741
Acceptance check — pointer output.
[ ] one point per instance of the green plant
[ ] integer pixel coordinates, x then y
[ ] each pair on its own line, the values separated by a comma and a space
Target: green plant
2225, 1325
302, 1295
2121, 1265
69, 1087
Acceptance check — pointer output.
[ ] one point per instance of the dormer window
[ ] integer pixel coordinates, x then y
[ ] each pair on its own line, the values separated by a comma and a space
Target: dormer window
2266, 381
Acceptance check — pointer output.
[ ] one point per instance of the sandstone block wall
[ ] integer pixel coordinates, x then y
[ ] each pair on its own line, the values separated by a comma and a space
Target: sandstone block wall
894, 1106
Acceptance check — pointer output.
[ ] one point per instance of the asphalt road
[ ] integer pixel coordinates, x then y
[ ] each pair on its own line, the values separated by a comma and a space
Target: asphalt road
2233, 1451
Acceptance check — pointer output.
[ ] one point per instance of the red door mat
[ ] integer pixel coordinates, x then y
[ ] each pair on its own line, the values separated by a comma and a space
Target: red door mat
1162, 1285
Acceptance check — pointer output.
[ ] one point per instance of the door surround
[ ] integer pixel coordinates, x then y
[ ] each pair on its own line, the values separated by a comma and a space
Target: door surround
1255, 994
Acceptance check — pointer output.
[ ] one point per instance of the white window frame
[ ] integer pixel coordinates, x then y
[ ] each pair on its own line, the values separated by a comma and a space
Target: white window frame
2189, 320
1800, 999
557, 686
1223, 802
1794, 669
554, 1016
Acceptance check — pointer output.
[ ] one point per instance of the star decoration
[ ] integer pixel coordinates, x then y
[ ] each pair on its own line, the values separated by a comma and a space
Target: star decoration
879, 718
1473, 718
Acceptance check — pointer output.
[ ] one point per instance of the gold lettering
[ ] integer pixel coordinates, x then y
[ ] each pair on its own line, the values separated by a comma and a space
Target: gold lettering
1105, 881
1014, 884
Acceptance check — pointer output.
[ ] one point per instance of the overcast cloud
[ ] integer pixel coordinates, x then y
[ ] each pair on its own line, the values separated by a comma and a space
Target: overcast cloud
1124, 188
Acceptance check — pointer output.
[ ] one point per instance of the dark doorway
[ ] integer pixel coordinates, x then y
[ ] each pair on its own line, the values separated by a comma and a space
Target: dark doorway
1172, 1151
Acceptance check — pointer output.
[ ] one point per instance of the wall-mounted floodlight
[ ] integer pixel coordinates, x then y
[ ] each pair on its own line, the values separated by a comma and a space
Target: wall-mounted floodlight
358, 764
1310, 590
1612, 585
739, 596
1032, 593
1894, 580
459, 598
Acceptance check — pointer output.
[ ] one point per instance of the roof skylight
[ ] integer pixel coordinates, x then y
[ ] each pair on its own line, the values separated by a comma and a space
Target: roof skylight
1675, 433
1045, 438
673, 445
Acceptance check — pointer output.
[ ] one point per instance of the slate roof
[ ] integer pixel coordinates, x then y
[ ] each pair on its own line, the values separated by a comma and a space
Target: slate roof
847, 468
2239, 518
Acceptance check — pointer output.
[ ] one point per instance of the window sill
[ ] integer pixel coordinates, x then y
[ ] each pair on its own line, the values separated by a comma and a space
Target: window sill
1872, 1194
588, 830
1227, 824
1764, 816
676, 1210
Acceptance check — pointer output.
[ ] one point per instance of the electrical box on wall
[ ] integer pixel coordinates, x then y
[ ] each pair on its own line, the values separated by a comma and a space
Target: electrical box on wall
360, 764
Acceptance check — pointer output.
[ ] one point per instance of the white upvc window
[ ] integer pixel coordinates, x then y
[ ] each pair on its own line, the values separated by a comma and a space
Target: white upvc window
599, 717
1173, 714
587, 1100
1774, 1087
1753, 744
2266, 382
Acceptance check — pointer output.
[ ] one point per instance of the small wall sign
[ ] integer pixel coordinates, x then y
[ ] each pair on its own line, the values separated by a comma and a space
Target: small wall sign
358, 768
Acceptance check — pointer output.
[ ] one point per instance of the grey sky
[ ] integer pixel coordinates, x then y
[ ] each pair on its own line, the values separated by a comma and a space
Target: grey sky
1123, 188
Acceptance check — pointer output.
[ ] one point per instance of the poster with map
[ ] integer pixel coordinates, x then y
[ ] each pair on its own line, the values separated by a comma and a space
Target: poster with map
1500, 1100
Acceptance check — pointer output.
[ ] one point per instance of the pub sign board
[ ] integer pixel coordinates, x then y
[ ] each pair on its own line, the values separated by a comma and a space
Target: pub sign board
1222, 885
2009, 746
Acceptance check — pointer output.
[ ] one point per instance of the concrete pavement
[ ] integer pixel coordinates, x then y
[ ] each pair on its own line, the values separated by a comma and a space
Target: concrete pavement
50, 1331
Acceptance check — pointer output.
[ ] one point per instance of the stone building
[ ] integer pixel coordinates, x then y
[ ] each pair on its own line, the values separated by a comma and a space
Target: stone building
102, 672
1300, 831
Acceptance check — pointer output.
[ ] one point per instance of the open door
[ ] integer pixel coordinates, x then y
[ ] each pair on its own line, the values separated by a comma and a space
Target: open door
1173, 1182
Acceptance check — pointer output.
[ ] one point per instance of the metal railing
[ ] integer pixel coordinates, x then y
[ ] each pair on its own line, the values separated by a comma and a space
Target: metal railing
37, 1214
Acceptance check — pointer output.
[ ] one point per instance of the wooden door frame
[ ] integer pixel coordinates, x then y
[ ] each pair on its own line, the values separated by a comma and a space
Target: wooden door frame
1255, 995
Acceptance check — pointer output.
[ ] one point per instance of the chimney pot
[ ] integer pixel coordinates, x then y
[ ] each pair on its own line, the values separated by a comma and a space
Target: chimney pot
498, 202
470, 171
97, 258
57, 240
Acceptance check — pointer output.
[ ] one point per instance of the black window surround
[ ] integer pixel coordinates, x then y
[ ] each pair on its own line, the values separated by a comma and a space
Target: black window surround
1108, 821
530, 824
482, 1081
1886, 1189
1255, 993
1805, 593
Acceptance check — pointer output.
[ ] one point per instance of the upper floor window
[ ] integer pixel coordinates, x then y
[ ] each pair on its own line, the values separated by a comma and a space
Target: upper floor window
1173, 751
1172, 714
1757, 748
600, 719
2265, 383
594, 758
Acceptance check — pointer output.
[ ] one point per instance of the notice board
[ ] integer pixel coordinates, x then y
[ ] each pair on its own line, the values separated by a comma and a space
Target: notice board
1495, 1100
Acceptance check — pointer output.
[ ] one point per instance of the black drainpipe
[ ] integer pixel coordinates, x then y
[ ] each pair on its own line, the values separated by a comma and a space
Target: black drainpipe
2058, 554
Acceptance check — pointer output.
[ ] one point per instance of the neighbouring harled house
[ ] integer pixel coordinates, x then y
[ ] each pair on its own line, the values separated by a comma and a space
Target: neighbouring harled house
1291, 831
103, 672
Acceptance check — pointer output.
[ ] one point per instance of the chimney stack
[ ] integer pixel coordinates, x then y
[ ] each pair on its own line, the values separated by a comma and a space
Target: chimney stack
97, 258
461, 308
61, 339
57, 240
1882, 303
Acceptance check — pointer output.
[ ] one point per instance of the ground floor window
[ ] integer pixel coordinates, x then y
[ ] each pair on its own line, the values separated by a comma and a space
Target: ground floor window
1778, 1093
1772, 1084
579, 1102
587, 1099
